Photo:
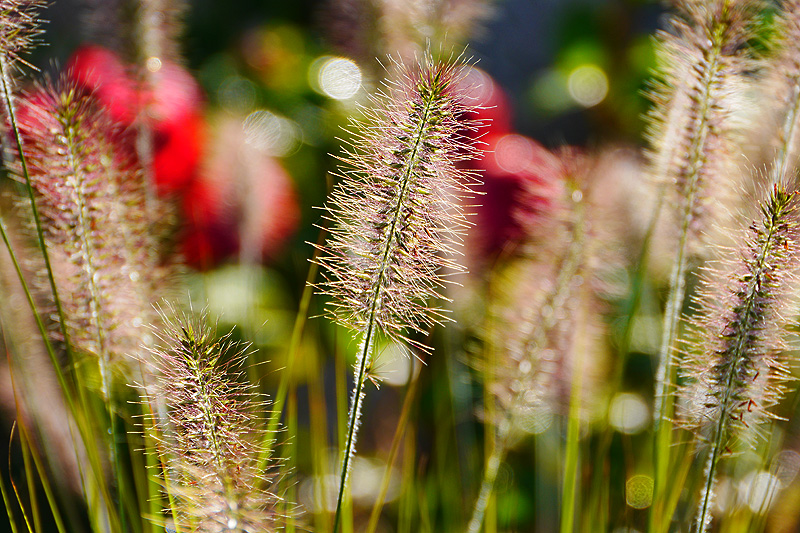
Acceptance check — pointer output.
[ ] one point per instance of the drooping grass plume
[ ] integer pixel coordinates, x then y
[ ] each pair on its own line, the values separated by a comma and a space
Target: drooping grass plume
211, 431
733, 367
88, 186
693, 134
397, 216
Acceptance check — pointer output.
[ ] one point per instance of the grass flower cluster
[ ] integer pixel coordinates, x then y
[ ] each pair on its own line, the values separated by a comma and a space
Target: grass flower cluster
741, 373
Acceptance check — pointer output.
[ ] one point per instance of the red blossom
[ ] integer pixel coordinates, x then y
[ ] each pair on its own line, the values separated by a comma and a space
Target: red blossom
170, 105
227, 207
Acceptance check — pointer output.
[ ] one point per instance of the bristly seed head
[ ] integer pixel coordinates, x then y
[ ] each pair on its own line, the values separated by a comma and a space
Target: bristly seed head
89, 190
696, 121
733, 368
19, 27
397, 215
210, 439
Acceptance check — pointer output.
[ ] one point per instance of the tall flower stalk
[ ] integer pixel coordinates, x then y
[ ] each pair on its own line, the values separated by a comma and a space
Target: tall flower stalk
734, 372
397, 218
693, 135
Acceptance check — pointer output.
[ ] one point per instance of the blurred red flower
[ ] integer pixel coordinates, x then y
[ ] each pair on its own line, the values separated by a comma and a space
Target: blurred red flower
170, 105
243, 202
520, 177
229, 205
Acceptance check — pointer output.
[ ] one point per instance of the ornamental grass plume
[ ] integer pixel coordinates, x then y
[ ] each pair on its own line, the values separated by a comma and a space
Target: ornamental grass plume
210, 434
20, 27
694, 128
733, 367
695, 124
546, 348
89, 189
537, 288
398, 216
570, 250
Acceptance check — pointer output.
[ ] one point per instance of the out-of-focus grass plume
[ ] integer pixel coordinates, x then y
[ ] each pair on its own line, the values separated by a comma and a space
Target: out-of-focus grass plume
782, 88
90, 194
697, 119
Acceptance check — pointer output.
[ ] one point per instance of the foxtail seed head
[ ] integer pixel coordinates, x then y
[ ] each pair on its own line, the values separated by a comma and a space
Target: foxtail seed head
89, 190
733, 369
549, 300
696, 121
397, 215
19, 27
210, 439
781, 92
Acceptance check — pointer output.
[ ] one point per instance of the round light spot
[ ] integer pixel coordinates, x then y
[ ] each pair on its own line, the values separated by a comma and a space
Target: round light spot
587, 85
475, 87
534, 419
319, 493
514, 153
758, 490
394, 365
270, 133
153, 64
339, 78
628, 413
639, 491
786, 465
369, 472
